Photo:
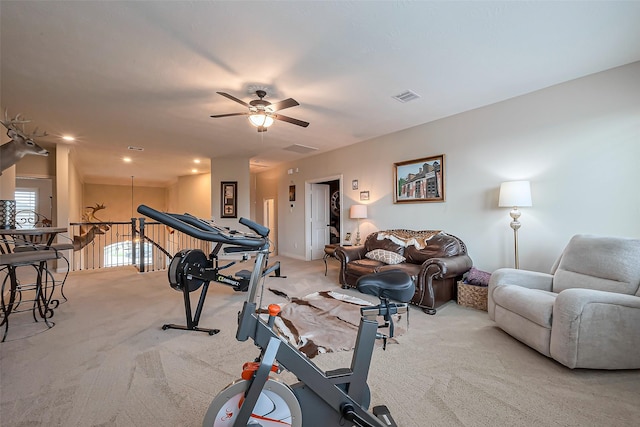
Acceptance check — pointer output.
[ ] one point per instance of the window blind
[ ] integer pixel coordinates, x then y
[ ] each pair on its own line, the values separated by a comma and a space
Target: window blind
26, 203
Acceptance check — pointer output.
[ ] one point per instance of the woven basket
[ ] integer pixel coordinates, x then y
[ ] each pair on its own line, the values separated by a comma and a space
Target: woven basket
472, 296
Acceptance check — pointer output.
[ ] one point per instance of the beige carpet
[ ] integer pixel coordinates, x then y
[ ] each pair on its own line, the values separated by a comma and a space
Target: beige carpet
107, 362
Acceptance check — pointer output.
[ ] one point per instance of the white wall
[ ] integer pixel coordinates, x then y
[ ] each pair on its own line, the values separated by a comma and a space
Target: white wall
194, 195
578, 143
231, 169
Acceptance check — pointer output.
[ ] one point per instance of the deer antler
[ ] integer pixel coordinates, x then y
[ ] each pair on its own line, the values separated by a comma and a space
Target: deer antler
91, 215
35, 134
12, 124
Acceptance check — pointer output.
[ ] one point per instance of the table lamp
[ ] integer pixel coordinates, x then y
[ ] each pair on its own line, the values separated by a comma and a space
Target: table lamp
358, 212
515, 194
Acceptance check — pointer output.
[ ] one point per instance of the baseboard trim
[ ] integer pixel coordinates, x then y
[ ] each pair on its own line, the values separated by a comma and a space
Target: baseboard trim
294, 256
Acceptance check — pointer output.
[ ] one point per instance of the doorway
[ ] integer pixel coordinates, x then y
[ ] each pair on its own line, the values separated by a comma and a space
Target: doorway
327, 229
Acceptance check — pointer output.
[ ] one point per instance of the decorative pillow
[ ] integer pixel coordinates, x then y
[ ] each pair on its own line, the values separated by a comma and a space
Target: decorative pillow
478, 277
387, 257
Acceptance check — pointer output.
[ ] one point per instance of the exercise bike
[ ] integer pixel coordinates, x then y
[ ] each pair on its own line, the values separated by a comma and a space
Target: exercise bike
339, 397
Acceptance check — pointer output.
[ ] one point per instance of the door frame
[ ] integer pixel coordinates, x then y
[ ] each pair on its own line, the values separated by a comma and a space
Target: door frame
307, 210
269, 213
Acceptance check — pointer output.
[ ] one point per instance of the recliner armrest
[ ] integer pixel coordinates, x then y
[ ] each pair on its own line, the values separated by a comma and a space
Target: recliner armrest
525, 278
573, 301
596, 329
512, 276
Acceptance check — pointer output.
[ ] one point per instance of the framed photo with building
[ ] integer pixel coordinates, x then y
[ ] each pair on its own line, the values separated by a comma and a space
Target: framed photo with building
229, 194
420, 180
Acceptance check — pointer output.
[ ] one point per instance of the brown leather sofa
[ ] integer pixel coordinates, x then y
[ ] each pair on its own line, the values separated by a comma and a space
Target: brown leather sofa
435, 261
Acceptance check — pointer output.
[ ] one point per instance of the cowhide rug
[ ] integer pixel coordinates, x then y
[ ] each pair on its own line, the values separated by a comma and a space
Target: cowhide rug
325, 322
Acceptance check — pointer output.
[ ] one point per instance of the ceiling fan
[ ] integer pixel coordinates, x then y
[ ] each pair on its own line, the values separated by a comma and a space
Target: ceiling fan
263, 113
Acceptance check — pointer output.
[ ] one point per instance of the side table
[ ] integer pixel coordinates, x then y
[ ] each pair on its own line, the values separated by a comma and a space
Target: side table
329, 252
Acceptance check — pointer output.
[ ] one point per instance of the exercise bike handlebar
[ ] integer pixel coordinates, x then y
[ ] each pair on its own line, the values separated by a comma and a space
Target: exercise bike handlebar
199, 229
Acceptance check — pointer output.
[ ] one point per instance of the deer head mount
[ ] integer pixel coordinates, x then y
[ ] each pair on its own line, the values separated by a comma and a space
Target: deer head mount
21, 143
89, 231
89, 216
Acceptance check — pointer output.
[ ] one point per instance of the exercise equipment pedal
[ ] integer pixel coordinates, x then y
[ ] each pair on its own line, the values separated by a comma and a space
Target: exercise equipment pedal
383, 414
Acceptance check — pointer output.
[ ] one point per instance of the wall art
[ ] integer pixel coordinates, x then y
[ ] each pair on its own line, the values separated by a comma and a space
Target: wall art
420, 180
229, 205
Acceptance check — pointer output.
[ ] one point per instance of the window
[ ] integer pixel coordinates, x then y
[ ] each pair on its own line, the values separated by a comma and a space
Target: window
26, 203
120, 254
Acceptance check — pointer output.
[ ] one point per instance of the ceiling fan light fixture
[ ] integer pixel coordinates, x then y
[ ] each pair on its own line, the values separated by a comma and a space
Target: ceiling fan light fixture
261, 120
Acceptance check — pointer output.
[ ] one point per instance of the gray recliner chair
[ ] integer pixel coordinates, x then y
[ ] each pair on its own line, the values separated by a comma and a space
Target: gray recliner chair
585, 314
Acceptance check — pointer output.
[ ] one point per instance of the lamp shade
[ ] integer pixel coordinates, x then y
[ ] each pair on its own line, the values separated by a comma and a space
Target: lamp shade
515, 193
261, 120
358, 211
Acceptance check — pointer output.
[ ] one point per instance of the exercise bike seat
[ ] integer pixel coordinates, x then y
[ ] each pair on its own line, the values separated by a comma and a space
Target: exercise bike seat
395, 285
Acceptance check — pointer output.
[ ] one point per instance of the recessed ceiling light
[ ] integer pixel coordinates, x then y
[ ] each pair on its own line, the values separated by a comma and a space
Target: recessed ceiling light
196, 161
127, 159
194, 170
68, 138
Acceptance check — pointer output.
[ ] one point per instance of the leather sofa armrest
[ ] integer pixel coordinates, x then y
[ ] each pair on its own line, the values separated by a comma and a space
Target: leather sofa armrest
512, 276
346, 254
445, 267
441, 268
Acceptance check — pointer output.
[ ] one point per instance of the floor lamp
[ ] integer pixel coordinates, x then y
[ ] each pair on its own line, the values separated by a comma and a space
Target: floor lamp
358, 212
515, 194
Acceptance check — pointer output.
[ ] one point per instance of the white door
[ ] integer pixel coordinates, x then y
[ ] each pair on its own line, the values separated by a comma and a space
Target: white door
319, 219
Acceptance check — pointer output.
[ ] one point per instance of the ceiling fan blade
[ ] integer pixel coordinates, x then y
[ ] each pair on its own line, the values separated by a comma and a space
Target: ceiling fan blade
287, 103
233, 98
229, 115
290, 120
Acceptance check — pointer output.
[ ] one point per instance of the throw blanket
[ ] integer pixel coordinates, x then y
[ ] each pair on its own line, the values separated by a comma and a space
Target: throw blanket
324, 322
406, 238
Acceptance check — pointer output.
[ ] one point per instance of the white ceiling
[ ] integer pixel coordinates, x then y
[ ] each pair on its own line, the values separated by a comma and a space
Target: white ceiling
145, 74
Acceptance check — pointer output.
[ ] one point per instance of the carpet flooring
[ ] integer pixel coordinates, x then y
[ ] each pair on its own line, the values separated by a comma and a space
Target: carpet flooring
107, 362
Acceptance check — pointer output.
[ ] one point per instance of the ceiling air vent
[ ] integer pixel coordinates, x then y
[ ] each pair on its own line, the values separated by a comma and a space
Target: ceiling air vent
132, 148
406, 96
299, 148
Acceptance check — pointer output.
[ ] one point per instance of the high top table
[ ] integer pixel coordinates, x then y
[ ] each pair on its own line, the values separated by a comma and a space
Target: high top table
28, 247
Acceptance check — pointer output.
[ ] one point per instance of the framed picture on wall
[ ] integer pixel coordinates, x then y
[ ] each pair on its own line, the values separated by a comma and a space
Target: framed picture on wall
420, 180
292, 193
229, 194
